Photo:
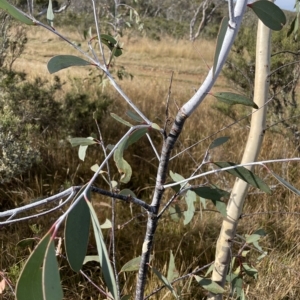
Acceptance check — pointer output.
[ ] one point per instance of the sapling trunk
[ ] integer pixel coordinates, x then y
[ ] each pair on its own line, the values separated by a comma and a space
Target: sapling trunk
255, 138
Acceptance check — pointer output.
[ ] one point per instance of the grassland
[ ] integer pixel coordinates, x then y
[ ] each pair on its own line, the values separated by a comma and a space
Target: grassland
152, 63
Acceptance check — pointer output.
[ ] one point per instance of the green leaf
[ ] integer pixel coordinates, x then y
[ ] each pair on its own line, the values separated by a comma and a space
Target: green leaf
216, 196
82, 141
133, 264
165, 281
126, 297
232, 99
203, 202
77, 227
127, 192
209, 285
211, 193
89, 258
119, 119
255, 236
134, 116
106, 225
237, 285
60, 62
112, 44
82, 152
218, 142
104, 259
286, 184
190, 198
262, 256
175, 213
155, 126
172, 271
15, 12
29, 286
50, 14
294, 27
269, 13
52, 289
135, 136
177, 177
220, 40
257, 246
210, 269
29, 242
250, 271
244, 174
123, 167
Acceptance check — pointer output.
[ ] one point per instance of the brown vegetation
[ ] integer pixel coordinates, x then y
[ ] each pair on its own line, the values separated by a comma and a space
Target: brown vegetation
152, 63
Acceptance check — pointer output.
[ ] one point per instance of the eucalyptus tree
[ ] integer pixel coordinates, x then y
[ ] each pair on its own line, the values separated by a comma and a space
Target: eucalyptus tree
40, 276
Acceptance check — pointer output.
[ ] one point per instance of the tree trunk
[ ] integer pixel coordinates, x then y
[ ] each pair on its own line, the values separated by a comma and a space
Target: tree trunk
239, 191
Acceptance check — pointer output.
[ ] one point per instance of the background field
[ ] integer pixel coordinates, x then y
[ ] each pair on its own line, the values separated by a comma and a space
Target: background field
151, 63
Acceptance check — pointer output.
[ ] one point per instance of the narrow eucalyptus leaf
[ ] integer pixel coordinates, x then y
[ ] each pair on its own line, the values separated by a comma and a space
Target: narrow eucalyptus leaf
172, 271
15, 13
286, 184
135, 136
119, 119
210, 269
232, 99
220, 40
250, 271
50, 14
237, 286
82, 152
134, 116
218, 142
52, 289
292, 27
190, 198
60, 62
165, 281
106, 268
133, 264
211, 193
77, 227
244, 174
209, 285
123, 167
216, 195
29, 285
82, 141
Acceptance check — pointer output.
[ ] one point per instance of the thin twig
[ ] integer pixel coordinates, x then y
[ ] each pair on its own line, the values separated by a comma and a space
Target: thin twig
70, 191
113, 214
98, 34
127, 199
261, 163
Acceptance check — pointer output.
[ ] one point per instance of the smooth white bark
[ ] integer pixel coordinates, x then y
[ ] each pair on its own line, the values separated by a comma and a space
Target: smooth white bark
239, 191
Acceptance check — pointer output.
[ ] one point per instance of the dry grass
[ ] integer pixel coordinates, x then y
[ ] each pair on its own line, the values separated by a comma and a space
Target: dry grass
152, 63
